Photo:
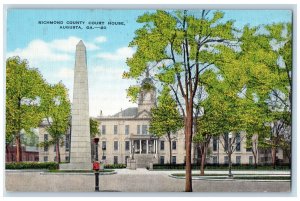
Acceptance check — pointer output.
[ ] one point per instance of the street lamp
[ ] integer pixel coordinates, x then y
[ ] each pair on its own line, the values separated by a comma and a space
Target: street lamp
103, 150
229, 154
96, 165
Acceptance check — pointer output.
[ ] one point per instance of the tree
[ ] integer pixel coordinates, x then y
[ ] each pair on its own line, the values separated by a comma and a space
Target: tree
24, 89
269, 78
57, 109
94, 131
165, 118
177, 47
94, 128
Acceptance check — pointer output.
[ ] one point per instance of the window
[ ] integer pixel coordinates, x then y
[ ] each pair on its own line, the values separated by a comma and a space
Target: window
45, 158
115, 129
54, 148
215, 144
46, 140
67, 145
103, 132
174, 145
126, 129
215, 159
173, 159
250, 160
116, 145
162, 145
103, 157
126, 145
103, 145
238, 142
184, 159
144, 129
115, 159
162, 160
67, 159
226, 160
238, 160
138, 128
248, 149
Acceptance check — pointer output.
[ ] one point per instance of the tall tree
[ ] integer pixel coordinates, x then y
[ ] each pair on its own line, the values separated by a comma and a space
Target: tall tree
269, 78
177, 46
57, 112
24, 89
165, 118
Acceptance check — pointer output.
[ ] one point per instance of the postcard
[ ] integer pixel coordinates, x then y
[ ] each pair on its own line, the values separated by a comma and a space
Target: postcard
106, 100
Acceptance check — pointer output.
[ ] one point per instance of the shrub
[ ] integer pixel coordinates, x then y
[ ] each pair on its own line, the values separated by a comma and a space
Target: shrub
220, 166
114, 166
32, 165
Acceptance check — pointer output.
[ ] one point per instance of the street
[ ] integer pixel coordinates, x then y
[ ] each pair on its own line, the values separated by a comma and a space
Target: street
140, 180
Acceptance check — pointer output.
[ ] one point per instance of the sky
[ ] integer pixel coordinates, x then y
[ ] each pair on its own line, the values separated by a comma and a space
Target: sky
51, 49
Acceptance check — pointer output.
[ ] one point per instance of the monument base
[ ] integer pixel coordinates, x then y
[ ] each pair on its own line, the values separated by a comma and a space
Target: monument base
76, 166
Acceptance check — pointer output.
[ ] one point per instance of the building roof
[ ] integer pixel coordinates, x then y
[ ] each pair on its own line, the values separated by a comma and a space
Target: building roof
129, 112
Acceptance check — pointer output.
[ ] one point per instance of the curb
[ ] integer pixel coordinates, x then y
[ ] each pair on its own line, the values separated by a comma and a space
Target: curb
76, 173
229, 179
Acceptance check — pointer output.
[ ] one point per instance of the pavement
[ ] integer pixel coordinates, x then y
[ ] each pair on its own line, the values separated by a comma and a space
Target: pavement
140, 180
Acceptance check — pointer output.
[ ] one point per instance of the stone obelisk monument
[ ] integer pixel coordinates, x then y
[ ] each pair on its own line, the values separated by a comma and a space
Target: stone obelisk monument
80, 153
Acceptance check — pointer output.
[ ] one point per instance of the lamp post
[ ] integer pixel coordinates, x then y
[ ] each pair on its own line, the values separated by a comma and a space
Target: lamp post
103, 150
96, 165
229, 154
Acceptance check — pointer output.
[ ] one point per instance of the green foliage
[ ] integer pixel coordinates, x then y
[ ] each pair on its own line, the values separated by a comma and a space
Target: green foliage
161, 45
165, 118
94, 127
25, 88
32, 165
31, 138
133, 92
57, 111
114, 166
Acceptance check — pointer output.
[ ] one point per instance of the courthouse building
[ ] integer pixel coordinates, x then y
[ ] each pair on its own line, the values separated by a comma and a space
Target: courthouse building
126, 134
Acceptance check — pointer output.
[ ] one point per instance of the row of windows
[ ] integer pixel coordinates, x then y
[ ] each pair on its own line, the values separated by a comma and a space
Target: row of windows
237, 143
127, 145
162, 160
237, 159
140, 129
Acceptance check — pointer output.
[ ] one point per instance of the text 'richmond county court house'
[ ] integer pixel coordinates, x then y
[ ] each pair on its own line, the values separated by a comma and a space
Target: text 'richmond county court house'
125, 135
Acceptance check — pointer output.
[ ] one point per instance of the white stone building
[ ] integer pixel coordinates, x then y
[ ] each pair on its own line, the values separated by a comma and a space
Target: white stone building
125, 135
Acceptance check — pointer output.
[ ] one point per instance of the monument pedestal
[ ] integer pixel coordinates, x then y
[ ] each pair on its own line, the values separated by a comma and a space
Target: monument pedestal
76, 166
